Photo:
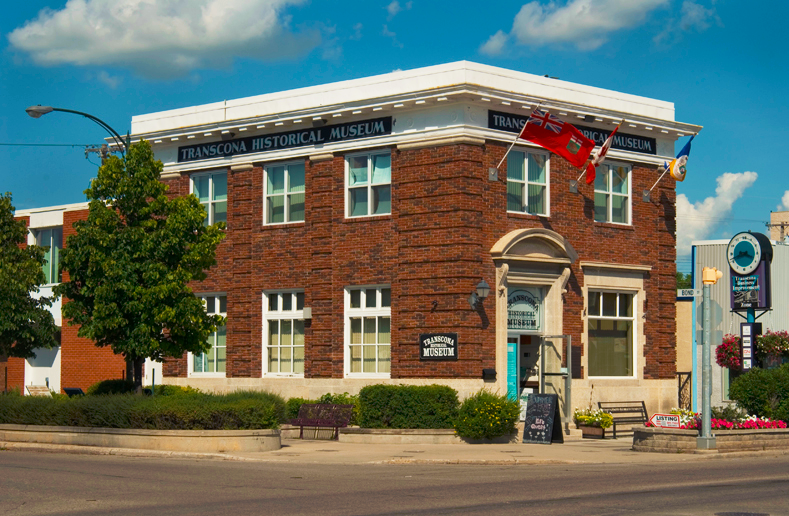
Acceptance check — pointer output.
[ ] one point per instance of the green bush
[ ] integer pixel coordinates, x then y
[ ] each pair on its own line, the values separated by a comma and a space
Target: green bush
111, 387
174, 390
344, 399
728, 412
487, 415
407, 406
292, 407
762, 392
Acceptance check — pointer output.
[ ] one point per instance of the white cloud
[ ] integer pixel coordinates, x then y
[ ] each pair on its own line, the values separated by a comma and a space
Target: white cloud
162, 38
357, 32
111, 81
693, 17
784, 206
394, 8
389, 34
495, 44
698, 221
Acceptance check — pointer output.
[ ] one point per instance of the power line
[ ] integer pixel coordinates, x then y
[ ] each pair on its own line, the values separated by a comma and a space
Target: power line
46, 144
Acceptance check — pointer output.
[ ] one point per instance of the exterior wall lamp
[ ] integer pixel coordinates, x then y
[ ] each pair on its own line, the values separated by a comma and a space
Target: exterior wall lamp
478, 296
38, 111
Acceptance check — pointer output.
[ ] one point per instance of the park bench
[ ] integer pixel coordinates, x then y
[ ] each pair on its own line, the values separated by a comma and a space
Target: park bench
323, 415
625, 412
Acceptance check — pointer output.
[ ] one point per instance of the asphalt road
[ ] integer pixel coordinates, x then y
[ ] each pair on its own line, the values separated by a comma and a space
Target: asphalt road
53, 484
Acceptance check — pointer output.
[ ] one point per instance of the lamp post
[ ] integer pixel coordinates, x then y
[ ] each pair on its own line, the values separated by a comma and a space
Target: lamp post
38, 111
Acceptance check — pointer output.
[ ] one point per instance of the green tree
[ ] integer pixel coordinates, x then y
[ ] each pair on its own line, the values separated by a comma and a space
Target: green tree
684, 280
25, 322
130, 263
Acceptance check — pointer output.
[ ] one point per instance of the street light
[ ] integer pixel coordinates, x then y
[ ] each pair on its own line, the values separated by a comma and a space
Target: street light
38, 111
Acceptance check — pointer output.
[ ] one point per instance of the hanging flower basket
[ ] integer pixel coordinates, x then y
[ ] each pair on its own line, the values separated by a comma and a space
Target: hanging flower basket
772, 347
728, 353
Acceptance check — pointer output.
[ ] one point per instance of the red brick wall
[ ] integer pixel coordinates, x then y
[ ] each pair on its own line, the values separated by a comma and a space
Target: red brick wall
12, 370
435, 246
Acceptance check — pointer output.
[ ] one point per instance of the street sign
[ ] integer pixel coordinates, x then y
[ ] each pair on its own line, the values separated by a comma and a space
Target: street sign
689, 292
665, 420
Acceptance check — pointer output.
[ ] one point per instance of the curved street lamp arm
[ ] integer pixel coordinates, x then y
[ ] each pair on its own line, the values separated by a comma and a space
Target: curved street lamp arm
109, 129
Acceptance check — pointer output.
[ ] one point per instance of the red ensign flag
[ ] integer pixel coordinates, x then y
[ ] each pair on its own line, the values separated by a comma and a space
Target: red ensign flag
557, 136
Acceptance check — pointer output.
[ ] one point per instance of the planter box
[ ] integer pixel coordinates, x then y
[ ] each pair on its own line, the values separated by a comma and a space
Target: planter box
592, 432
672, 440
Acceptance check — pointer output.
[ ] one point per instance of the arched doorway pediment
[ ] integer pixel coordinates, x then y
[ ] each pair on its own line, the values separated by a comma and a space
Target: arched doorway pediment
534, 245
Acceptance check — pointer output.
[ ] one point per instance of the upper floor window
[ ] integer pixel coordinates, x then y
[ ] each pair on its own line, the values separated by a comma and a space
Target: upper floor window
283, 313
211, 190
369, 184
284, 193
368, 331
213, 361
527, 183
611, 329
612, 194
52, 240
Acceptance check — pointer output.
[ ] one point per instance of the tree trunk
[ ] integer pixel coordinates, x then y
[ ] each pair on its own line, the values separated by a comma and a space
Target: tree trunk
138, 363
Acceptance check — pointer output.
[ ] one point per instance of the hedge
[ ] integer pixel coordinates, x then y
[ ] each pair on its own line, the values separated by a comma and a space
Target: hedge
763, 392
407, 406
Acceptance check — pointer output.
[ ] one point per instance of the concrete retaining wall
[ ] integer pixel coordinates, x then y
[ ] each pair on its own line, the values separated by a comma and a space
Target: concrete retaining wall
197, 441
669, 440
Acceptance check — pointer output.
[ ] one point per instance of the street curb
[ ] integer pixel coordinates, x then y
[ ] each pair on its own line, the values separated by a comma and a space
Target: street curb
123, 452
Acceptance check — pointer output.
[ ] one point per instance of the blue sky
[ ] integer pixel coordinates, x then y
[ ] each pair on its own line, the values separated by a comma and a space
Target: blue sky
721, 63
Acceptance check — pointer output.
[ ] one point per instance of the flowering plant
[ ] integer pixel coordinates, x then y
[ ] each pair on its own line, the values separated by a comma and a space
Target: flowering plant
773, 344
592, 417
727, 354
692, 421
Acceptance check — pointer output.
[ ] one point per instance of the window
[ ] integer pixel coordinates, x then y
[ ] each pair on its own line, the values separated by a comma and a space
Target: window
211, 190
527, 183
213, 361
284, 193
52, 240
612, 194
368, 330
369, 189
611, 330
283, 314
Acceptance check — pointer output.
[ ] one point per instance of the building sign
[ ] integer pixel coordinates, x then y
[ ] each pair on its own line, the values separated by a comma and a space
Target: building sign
287, 140
665, 420
748, 334
751, 291
524, 309
622, 141
438, 346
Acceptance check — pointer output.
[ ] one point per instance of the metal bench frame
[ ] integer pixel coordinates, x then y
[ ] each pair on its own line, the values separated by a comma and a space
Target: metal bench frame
625, 412
323, 415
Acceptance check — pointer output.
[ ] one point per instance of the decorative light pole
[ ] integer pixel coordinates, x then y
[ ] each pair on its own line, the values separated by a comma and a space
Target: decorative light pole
37, 111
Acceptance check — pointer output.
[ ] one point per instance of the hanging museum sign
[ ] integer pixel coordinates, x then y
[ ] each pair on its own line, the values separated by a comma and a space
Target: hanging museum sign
287, 140
524, 309
438, 346
622, 141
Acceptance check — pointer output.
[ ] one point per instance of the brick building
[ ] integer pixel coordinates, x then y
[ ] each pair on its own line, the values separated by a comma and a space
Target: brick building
361, 216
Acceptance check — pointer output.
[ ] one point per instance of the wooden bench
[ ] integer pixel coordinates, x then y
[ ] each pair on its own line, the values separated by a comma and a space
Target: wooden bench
323, 415
625, 412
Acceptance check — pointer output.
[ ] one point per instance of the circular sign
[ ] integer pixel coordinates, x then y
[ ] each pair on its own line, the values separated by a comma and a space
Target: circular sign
744, 253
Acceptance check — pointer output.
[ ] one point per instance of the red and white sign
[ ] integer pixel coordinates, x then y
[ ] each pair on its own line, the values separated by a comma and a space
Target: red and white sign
665, 420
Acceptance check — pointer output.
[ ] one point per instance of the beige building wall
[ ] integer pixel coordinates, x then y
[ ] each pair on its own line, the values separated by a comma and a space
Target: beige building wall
779, 225
684, 336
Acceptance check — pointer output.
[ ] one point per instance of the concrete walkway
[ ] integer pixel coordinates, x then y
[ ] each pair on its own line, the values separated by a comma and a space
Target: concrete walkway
587, 451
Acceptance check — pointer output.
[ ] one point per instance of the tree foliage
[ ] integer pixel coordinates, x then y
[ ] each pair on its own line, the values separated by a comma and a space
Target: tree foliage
684, 280
130, 263
25, 322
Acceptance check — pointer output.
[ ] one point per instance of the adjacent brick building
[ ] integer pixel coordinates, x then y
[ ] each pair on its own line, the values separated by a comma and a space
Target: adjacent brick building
362, 215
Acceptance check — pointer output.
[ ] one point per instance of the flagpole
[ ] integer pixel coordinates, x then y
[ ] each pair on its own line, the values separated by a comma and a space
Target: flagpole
516, 138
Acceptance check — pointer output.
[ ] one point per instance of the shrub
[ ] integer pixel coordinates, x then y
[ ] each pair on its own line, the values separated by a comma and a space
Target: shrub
343, 399
727, 354
407, 406
175, 390
292, 407
487, 415
762, 392
111, 387
728, 412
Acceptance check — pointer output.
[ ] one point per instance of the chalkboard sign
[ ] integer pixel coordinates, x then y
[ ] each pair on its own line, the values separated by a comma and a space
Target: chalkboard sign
542, 424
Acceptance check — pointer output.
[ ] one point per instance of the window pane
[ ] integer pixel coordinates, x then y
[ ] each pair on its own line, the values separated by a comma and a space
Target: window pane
222, 304
619, 209
202, 188
273, 360
357, 173
300, 301
382, 199
285, 365
515, 166
609, 304
276, 209
298, 332
221, 359
210, 360
273, 302
625, 305
536, 199
357, 198
356, 298
273, 333
514, 196
296, 178
197, 363
287, 302
219, 212
610, 348
370, 298
384, 330
594, 303
619, 180
537, 168
47, 266
386, 297
369, 358
276, 181
210, 305
220, 187
369, 330
384, 359
286, 334
600, 207
298, 360
382, 169
601, 179
296, 207
356, 331
356, 359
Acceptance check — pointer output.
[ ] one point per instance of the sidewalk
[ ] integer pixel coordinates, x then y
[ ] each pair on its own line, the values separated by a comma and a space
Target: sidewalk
588, 451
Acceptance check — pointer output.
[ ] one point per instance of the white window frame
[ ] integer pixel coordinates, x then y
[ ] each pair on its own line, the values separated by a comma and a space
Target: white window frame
286, 194
634, 345
37, 236
191, 356
526, 183
280, 314
211, 201
369, 186
609, 193
378, 311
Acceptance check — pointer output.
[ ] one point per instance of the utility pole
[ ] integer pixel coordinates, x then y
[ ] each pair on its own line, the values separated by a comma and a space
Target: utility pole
102, 151
709, 276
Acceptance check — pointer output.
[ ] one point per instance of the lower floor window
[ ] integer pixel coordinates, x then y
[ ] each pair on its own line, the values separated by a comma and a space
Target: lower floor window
369, 320
214, 360
611, 321
284, 318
